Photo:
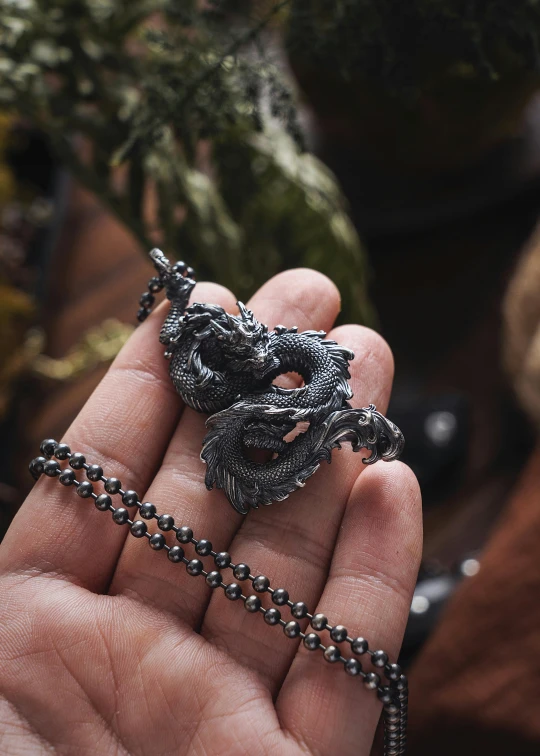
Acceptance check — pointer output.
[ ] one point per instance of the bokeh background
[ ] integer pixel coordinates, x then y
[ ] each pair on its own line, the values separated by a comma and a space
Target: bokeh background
395, 146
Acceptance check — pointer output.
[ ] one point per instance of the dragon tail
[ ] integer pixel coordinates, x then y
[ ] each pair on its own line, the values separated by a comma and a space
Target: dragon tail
364, 429
248, 484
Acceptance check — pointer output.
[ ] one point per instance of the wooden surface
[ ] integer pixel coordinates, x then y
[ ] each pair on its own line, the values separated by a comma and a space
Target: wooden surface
474, 687
98, 272
439, 295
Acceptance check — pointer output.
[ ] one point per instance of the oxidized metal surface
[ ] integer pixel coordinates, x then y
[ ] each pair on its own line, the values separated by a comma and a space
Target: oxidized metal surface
225, 365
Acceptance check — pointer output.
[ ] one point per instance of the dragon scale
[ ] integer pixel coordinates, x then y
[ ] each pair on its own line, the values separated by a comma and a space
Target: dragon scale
224, 365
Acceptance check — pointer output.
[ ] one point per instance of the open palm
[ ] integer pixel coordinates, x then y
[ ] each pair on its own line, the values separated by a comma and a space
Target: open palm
108, 648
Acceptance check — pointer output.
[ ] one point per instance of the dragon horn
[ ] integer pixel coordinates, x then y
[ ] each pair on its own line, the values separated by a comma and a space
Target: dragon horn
232, 321
218, 327
244, 312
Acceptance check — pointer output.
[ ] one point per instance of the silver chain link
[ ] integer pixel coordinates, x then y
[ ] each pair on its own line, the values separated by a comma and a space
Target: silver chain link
393, 695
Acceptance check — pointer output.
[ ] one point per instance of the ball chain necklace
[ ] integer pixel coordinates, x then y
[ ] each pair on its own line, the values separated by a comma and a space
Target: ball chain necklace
225, 365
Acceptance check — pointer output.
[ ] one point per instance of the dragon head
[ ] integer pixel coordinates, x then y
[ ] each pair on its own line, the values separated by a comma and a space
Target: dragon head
245, 343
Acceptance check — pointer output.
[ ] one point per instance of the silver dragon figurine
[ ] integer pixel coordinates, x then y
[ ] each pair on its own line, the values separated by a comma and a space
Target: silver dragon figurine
224, 365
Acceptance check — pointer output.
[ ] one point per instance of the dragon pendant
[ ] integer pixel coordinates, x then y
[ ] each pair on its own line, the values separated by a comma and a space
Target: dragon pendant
224, 365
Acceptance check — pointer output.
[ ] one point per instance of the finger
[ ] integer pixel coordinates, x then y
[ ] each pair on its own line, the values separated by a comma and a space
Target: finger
291, 542
125, 427
301, 297
369, 591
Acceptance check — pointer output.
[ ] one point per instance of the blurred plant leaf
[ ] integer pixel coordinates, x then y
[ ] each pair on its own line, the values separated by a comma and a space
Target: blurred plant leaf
168, 88
98, 345
291, 211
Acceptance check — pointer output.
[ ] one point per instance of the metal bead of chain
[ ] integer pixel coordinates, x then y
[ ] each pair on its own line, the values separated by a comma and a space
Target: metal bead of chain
155, 285
394, 695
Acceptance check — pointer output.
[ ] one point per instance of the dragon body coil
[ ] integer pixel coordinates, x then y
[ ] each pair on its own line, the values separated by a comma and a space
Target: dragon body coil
224, 365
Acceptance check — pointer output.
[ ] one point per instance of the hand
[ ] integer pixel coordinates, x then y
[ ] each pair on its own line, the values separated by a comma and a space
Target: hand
106, 647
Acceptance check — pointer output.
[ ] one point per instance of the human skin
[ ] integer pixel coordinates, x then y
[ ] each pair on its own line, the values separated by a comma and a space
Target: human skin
108, 648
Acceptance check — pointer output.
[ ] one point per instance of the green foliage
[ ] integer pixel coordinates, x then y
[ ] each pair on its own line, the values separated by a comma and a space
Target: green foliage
286, 200
405, 43
165, 95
